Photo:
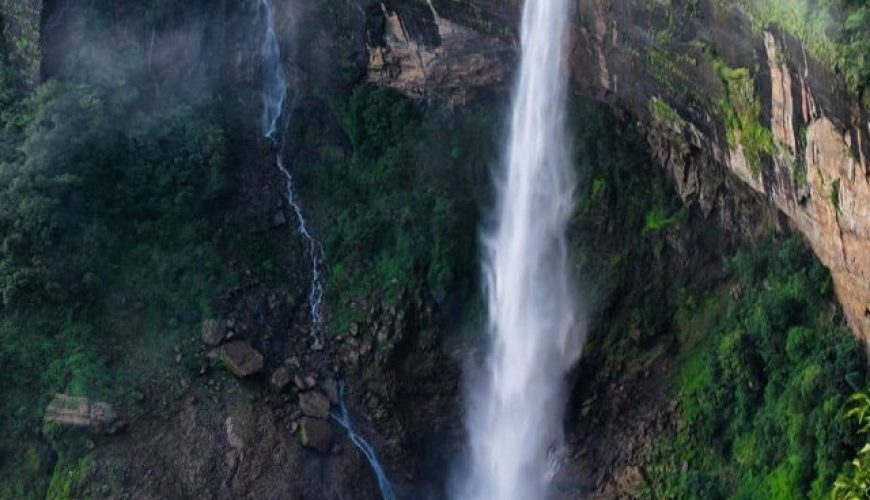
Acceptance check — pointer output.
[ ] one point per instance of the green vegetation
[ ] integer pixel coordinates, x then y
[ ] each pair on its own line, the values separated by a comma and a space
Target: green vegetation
108, 199
663, 112
764, 371
741, 111
854, 483
835, 194
836, 32
396, 208
625, 212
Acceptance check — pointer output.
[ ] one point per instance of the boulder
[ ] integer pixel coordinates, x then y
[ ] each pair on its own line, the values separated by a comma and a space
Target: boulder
81, 412
315, 434
280, 378
278, 219
213, 332
241, 359
314, 404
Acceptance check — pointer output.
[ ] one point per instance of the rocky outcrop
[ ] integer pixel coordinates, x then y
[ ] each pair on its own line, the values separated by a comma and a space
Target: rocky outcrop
696, 75
415, 50
241, 359
685, 73
81, 412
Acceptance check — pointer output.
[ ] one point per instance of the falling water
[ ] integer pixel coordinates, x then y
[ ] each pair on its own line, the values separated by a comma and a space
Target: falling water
343, 419
515, 414
274, 98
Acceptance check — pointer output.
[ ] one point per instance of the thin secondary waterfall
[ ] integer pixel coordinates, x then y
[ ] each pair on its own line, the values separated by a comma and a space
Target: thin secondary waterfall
274, 100
343, 419
515, 414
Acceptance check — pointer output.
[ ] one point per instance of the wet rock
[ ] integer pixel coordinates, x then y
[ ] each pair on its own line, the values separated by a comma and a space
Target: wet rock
314, 404
213, 332
315, 434
81, 412
241, 359
280, 378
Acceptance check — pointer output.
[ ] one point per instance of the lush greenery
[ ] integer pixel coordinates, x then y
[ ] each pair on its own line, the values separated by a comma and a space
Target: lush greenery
741, 109
854, 483
835, 31
765, 368
393, 191
107, 213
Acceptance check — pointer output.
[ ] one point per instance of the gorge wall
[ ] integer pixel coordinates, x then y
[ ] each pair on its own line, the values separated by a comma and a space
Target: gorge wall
731, 112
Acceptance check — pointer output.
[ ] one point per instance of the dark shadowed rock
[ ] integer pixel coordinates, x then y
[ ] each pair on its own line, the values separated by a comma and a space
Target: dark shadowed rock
213, 332
315, 434
278, 219
314, 404
280, 378
241, 359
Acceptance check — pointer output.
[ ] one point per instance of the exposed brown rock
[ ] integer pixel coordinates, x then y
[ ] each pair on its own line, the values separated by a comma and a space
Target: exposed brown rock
315, 434
280, 378
213, 332
241, 359
314, 404
81, 412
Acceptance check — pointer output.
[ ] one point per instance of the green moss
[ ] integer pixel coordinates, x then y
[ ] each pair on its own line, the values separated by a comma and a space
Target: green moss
663, 112
740, 109
68, 478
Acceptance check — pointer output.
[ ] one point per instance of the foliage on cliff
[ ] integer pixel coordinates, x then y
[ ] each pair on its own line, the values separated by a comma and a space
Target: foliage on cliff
107, 211
393, 191
835, 31
766, 366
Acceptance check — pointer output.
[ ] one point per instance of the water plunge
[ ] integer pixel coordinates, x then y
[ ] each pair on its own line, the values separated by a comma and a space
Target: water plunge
515, 413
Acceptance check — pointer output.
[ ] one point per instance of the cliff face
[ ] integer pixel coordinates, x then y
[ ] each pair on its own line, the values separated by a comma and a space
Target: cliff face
735, 115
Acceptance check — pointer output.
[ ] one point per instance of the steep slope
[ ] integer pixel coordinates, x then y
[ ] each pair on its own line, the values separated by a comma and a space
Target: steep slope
725, 104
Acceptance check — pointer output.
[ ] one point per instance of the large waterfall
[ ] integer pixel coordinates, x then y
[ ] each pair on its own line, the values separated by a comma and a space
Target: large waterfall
515, 414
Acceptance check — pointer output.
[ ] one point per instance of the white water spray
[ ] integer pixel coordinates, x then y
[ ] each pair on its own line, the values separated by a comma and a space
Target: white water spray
274, 97
515, 415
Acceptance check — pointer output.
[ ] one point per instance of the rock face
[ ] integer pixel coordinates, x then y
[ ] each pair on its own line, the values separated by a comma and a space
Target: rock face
315, 434
81, 412
241, 359
816, 171
314, 404
414, 49
678, 70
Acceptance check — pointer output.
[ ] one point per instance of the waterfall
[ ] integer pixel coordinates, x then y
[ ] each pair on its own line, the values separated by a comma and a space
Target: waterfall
343, 419
275, 87
274, 100
515, 412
